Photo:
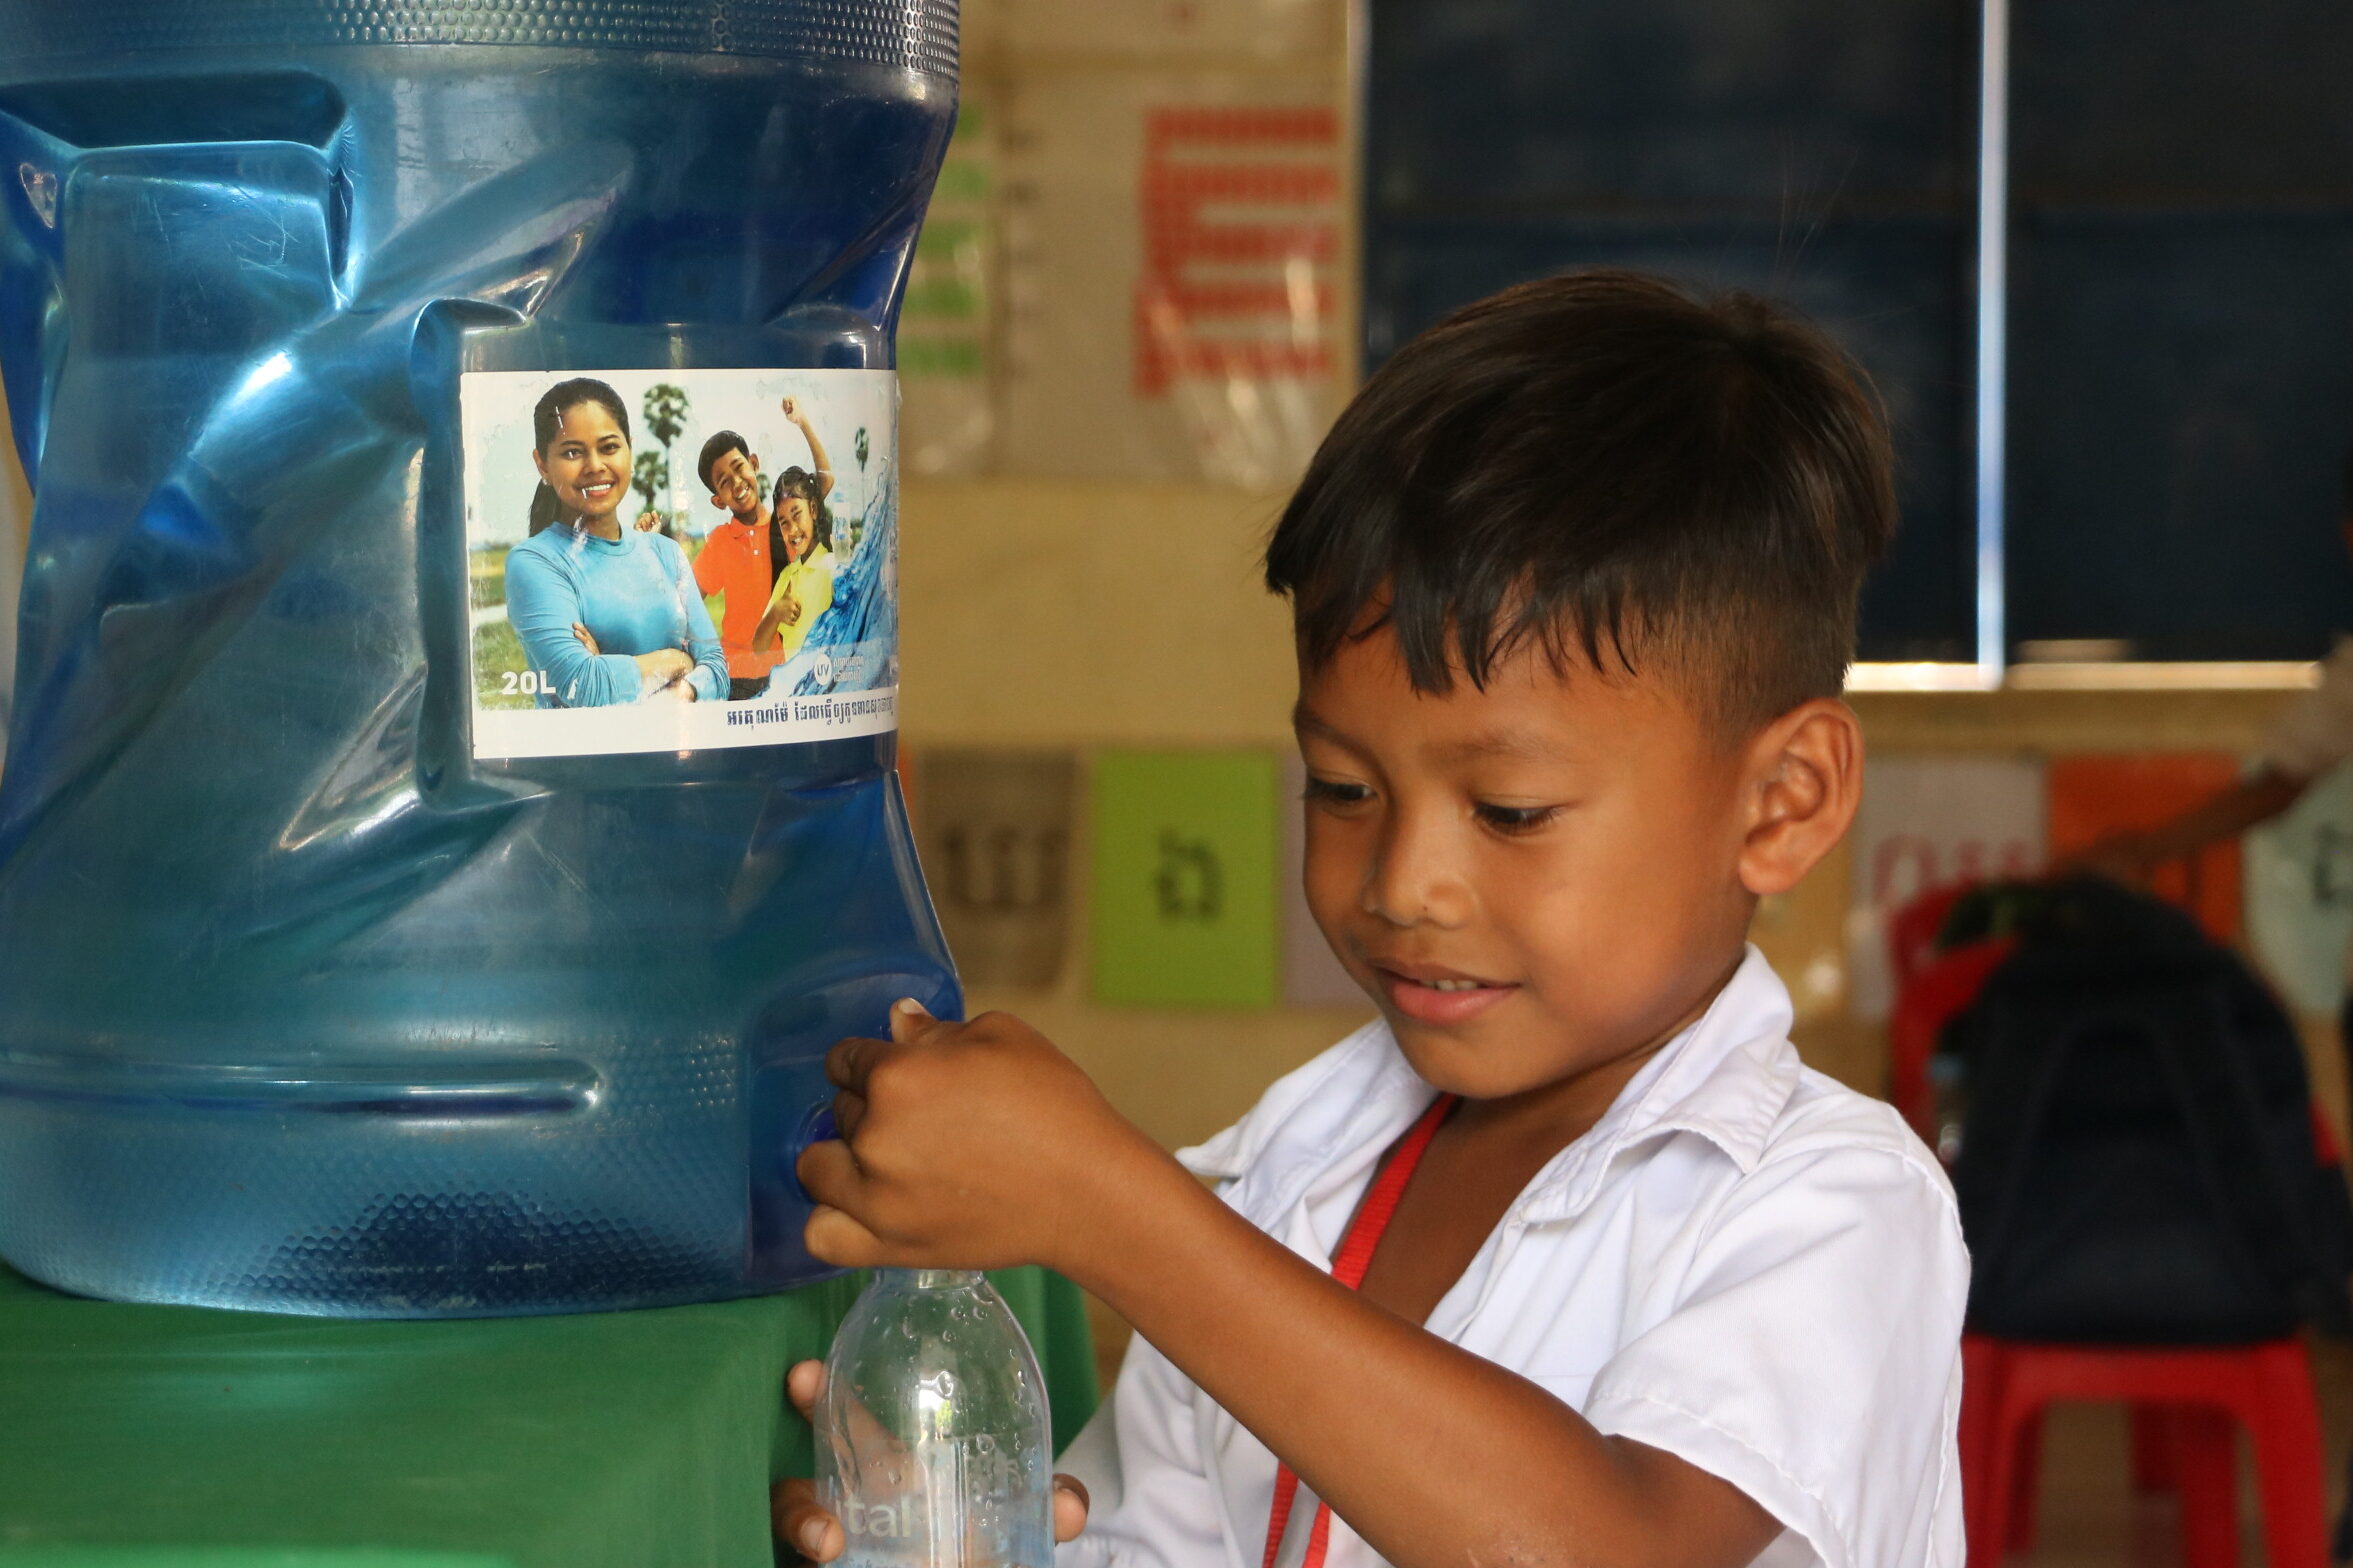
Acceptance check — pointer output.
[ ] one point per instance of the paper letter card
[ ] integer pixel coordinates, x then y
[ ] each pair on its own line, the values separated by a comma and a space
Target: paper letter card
1185, 849
994, 833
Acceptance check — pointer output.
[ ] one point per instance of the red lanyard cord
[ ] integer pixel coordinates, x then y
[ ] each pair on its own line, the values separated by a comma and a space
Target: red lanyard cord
1348, 1266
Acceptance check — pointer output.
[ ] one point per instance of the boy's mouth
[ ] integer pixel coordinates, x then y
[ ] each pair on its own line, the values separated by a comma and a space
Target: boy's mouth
1433, 995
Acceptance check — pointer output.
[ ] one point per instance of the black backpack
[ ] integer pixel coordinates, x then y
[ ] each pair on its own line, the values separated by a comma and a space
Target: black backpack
2137, 1161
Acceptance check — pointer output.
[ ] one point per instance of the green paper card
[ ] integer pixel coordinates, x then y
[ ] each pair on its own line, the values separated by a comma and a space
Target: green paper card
1185, 850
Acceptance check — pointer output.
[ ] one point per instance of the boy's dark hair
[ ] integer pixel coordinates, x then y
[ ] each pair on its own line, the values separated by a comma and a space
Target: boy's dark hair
717, 447
1601, 462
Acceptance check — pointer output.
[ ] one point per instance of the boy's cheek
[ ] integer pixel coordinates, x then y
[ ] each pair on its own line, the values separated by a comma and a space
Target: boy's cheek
1331, 903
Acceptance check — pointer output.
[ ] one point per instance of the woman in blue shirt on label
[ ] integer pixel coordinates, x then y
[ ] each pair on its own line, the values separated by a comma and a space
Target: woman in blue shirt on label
606, 614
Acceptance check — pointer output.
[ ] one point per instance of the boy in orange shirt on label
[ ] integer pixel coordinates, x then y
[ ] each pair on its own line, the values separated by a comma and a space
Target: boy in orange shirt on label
742, 556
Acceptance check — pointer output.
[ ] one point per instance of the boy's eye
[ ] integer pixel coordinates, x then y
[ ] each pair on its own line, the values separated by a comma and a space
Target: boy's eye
1335, 792
1515, 819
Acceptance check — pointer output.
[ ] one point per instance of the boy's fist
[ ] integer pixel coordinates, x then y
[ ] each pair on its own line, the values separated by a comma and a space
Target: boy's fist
974, 1145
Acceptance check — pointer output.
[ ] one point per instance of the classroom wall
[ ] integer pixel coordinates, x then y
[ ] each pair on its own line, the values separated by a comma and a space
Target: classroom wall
1115, 527
1083, 614
1142, 601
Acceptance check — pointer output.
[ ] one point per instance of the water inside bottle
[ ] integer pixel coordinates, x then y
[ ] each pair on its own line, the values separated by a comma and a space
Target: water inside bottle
308, 1007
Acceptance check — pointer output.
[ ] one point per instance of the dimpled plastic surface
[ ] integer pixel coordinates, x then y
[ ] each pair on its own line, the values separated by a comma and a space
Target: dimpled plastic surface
302, 1007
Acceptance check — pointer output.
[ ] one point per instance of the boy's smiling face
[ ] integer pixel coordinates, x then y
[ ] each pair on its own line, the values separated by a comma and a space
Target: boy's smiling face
1537, 882
735, 484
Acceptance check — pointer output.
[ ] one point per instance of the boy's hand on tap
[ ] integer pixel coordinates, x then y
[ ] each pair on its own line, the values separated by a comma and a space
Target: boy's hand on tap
972, 1145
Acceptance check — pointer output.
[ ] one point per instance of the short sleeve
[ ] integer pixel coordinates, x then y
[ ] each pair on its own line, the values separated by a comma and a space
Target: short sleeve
1811, 1357
711, 563
2315, 732
1151, 1505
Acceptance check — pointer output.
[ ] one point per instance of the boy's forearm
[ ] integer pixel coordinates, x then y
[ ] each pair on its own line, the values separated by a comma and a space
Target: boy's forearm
1434, 1455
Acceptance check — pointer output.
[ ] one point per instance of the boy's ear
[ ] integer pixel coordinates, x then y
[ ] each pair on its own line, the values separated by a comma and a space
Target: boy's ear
719, 500
1803, 782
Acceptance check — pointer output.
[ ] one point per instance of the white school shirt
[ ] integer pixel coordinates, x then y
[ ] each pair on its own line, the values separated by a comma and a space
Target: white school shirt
1742, 1263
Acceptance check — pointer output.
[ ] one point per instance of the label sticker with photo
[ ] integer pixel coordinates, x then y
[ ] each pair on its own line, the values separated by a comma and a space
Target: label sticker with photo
670, 560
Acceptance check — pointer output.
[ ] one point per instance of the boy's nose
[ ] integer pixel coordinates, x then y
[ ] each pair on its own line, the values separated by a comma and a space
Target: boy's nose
1414, 878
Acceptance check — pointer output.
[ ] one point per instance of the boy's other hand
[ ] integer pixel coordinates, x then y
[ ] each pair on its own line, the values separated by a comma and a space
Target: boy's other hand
970, 1145
802, 1523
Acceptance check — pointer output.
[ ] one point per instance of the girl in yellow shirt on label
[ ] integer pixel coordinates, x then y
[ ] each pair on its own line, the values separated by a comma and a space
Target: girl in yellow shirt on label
804, 587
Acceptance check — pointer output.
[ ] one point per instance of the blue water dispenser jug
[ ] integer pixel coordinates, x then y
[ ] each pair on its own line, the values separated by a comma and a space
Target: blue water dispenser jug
448, 809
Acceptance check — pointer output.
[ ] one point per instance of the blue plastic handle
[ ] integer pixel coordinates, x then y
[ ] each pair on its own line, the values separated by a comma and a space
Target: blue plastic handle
817, 1126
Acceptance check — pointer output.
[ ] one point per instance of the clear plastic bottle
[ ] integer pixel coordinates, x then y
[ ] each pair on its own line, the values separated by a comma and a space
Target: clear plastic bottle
932, 1440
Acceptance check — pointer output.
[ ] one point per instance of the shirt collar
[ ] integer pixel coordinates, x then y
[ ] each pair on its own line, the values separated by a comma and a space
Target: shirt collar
1727, 1079
577, 537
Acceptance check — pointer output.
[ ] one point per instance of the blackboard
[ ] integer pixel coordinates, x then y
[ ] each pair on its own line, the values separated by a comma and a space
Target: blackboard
2179, 316
1822, 151
2181, 309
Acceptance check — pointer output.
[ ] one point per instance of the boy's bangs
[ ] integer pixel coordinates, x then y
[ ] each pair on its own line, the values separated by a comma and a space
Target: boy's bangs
1447, 630
1466, 613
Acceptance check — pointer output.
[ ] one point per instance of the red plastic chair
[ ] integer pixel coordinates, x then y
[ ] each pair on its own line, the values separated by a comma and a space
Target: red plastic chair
1912, 929
2185, 1402
1930, 988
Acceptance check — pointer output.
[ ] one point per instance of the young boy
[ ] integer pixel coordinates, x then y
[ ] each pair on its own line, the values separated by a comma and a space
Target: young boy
1574, 583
